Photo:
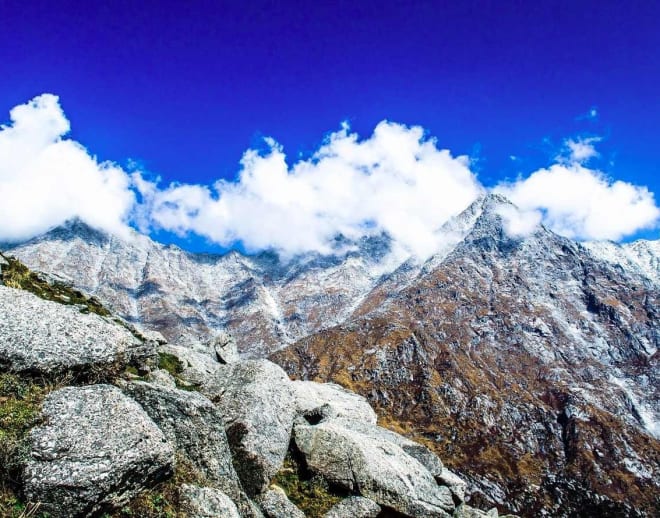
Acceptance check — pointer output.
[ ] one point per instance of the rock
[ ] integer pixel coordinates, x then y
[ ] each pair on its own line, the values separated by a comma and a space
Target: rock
49, 338
162, 377
256, 400
192, 423
198, 367
328, 400
275, 504
417, 451
354, 507
98, 449
225, 348
371, 466
206, 502
456, 484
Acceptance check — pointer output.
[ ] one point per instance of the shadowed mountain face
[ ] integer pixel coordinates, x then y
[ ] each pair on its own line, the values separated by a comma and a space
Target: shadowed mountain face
529, 364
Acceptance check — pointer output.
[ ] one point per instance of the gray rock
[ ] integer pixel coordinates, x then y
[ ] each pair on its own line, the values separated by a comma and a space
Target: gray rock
372, 467
206, 502
354, 507
275, 504
417, 451
198, 367
225, 348
328, 400
97, 449
46, 337
162, 377
256, 400
465, 511
192, 423
456, 484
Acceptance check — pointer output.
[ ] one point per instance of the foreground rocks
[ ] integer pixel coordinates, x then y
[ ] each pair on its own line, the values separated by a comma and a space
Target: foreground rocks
97, 449
255, 397
215, 449
373, 467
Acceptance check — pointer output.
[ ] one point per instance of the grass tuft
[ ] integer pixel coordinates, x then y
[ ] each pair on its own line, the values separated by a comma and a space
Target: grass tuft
310, 493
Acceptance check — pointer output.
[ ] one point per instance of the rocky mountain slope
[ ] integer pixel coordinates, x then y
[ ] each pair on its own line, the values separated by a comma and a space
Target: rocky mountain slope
98, 420
528, 362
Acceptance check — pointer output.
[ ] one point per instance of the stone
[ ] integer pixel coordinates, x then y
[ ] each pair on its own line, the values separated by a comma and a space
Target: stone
225, 348
97, 449
417, 451
256, 400
456, 484
192, 423
329, 400
275, 504
373, 467
48, 338
162, 377
354, 507
198, 367
206, 502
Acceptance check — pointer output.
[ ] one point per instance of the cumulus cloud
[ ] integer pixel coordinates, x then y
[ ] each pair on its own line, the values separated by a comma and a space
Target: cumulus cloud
582, 203
46, 179
396, 181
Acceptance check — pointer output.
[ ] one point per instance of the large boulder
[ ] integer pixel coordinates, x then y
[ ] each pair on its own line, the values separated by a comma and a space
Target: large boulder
192, 423
197, 428
354, 507
256, 400
44, 337
96, 450
418, 451
206, 502
369, 465
275, 504
316, 401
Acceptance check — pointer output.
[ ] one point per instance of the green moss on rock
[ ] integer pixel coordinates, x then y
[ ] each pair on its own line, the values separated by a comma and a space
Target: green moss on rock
16, 275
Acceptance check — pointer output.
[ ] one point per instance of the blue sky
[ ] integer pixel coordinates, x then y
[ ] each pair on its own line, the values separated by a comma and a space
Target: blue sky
183, 89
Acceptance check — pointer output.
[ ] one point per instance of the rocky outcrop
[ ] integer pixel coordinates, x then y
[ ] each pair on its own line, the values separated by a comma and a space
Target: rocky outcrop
96, 450
43, 337
256, 400
206, 502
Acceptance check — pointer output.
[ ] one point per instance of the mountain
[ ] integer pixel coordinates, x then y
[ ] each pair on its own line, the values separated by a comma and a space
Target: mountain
528, 362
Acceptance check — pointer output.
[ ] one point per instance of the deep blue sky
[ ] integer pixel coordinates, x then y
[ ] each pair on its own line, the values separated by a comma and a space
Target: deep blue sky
186, 87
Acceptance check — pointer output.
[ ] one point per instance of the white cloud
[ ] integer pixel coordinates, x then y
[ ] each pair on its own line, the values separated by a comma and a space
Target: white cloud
45, 179
582, 203
395, 181
580, 150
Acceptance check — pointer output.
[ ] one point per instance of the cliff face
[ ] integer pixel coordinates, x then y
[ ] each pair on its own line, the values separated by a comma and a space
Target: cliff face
528, 363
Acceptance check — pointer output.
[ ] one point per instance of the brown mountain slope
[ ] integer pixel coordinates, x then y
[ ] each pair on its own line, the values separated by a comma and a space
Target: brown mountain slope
526, 364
